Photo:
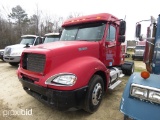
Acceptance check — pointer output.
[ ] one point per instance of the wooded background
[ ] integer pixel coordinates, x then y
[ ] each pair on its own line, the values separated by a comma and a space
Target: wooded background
18, 23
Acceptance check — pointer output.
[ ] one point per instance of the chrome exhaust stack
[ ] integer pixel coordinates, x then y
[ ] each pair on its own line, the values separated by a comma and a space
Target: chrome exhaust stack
149, 49
150, 41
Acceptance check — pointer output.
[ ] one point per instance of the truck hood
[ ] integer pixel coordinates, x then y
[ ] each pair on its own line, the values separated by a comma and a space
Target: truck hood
67, 47
1, 50
18, 46
14, 50
152, 81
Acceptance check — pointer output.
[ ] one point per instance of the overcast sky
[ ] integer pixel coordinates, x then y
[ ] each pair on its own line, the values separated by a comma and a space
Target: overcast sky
135, 10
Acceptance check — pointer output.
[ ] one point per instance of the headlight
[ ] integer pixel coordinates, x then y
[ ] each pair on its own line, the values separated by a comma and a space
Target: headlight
66, 79
139, 92
7, 51
154, 96
145, 93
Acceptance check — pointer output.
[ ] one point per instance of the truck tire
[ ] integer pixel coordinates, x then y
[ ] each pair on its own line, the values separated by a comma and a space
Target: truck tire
14, 63
131, 70
94, 94
127, 118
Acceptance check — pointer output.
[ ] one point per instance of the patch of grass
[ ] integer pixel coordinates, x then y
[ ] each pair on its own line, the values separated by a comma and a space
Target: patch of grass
139, 69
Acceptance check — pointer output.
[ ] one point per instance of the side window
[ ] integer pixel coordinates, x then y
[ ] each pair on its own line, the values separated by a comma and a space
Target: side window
38, 41
111, 33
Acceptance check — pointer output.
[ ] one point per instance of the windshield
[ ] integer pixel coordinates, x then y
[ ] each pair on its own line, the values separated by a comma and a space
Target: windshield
51, 39
140, 47
88, 32
29, 40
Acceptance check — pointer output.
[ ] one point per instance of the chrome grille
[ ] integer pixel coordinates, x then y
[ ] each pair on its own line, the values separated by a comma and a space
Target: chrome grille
7, 51
34, 62
140, 53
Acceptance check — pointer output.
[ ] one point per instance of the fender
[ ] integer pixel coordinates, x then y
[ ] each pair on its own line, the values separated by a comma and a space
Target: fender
136, 108
84, 68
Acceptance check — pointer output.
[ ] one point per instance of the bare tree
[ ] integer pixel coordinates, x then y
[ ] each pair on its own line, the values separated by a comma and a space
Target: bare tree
74, 15
37, 18
18, 23
57, 22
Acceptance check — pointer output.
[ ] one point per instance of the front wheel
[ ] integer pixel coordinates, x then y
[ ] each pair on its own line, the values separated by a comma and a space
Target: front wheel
14, 63
94, 94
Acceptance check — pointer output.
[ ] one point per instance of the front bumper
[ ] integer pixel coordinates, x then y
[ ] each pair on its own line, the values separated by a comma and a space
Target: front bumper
11, 58
1, 57
61, 100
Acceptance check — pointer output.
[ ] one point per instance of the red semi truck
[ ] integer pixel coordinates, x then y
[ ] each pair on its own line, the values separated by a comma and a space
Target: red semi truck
75, 71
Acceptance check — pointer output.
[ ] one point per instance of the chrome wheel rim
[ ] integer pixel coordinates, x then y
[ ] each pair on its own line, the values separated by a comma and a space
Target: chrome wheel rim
96, 94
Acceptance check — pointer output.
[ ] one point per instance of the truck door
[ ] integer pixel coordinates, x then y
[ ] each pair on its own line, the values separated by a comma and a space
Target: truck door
110, 45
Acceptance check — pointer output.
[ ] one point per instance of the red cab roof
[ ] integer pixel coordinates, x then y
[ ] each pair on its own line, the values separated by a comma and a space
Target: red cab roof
90, 18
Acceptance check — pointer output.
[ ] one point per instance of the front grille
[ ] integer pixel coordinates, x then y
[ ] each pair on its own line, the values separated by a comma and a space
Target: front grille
139, 53
7, 51
33, 62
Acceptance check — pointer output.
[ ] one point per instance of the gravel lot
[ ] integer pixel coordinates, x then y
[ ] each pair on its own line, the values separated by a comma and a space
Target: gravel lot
16, 104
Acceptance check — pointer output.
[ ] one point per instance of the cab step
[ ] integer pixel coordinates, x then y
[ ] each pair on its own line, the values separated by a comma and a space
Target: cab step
121, 75
115, 84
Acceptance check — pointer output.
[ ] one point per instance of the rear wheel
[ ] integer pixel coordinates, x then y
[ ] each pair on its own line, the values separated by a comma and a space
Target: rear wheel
127, 118
14, 63
131, 70
94, 94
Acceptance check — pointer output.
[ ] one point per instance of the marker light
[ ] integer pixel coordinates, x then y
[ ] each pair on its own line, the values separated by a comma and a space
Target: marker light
98, 17
145, 74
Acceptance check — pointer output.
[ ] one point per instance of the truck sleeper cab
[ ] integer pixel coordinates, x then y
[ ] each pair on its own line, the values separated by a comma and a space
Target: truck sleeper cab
75, 71
13, 53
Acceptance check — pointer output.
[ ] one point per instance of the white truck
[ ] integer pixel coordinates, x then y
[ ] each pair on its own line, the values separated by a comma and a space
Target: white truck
1, 54
13, 53
51, 37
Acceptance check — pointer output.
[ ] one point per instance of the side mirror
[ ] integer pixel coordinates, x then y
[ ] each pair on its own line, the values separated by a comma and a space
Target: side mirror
138, 30
122, 28
27, 45
141, 37
121, 38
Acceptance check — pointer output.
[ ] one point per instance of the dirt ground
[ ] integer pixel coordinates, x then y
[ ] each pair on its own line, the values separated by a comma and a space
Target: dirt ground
16, 104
